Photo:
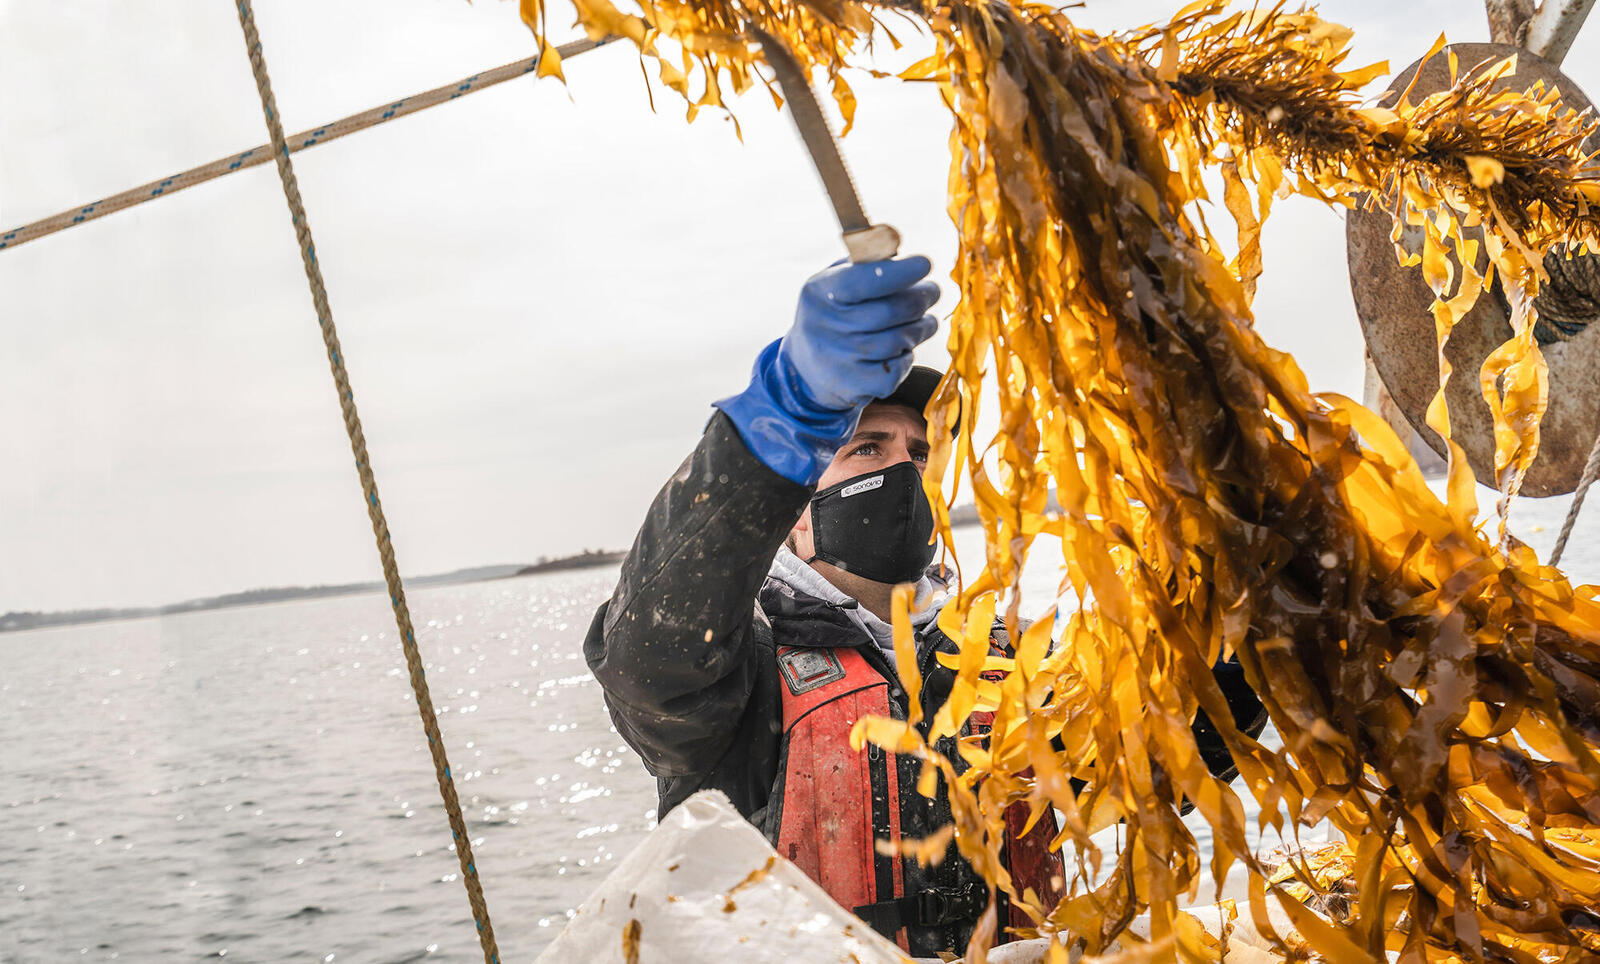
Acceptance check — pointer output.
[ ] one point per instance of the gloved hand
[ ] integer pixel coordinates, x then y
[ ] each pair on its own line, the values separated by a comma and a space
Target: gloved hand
851, 342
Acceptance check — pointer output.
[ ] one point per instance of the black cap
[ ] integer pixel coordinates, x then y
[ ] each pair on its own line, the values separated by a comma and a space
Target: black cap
919, 385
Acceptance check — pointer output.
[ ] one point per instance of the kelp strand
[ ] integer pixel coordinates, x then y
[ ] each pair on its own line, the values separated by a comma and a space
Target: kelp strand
1437, 695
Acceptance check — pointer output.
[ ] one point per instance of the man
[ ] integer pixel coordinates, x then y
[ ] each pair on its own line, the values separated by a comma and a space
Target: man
750, 626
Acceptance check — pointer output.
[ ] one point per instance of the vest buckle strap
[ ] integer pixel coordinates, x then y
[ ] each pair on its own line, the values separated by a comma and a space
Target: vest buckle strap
928, 908
943, 905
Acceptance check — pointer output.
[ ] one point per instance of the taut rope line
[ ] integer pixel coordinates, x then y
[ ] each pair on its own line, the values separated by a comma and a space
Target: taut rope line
369, 486
261, 153
1591, 471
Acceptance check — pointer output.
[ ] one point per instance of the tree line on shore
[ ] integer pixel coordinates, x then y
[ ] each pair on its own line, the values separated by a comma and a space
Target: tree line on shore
17, 621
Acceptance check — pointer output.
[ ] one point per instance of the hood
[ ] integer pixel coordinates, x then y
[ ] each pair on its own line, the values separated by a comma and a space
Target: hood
795, 590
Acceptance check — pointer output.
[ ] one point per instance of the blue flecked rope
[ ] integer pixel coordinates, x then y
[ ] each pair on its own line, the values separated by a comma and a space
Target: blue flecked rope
358, 445
260, 154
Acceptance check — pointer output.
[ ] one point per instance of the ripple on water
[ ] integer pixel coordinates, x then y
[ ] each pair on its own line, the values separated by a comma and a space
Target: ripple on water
268, 771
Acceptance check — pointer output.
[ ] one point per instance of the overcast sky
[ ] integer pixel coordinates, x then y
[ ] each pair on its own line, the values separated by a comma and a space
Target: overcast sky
540, 290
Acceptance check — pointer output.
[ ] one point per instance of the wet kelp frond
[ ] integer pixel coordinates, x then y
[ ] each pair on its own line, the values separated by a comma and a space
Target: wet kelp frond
1479, 166
1212, 504
701, 49
1274, 82
1438, 697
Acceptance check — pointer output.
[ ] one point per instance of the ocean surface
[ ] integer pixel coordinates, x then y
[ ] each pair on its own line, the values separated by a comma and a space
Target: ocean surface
252, 784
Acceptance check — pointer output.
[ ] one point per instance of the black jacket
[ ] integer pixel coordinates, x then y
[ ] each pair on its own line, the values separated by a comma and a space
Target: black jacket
687, 659
690, 683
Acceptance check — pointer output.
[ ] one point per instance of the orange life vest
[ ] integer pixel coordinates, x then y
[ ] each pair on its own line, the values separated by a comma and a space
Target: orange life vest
837, 802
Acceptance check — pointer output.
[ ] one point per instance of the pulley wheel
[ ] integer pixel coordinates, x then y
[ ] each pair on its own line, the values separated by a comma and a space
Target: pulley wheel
1393, 305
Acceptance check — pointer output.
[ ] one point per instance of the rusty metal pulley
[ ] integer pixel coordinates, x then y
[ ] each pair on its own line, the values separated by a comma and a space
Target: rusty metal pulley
1393, 305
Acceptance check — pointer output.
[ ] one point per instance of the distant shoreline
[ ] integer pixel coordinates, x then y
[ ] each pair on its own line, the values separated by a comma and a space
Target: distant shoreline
14, 622
21, 621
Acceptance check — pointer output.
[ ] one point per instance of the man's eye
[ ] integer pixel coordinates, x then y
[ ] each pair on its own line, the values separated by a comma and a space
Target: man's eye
919, 456
870, 448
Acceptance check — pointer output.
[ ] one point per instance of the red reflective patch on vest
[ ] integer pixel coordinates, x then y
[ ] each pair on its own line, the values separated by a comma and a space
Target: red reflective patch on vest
1030, 860
1027, 856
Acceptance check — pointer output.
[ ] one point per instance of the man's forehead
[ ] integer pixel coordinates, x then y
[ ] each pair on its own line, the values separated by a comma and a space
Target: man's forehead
886, 417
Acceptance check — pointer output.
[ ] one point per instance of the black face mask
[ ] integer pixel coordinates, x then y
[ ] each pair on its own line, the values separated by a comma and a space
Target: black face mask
878, 526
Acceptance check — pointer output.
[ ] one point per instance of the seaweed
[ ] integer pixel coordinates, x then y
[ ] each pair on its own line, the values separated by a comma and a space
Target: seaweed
1437, 693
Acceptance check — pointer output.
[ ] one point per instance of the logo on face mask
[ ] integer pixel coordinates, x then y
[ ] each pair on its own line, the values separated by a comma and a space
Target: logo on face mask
883, 533
867, 485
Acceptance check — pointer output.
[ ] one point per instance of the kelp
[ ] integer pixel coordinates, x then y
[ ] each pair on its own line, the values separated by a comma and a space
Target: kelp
1437, 695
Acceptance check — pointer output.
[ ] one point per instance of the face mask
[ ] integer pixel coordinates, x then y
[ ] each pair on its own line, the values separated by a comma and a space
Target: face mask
878, 526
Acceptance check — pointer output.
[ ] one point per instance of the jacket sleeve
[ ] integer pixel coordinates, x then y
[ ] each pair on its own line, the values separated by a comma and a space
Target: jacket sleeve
674, 648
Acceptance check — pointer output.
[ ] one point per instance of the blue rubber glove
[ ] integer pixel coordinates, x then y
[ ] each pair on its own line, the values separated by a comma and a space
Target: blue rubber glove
851, 342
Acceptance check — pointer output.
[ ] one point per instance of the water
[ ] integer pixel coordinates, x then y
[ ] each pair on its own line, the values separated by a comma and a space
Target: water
252, 783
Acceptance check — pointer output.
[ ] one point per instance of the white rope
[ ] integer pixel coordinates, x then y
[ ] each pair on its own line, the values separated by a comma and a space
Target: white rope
1591, 470
262, 153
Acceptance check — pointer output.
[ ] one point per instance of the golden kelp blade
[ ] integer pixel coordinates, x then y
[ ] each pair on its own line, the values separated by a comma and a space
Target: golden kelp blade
1438, 697
1370, 619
